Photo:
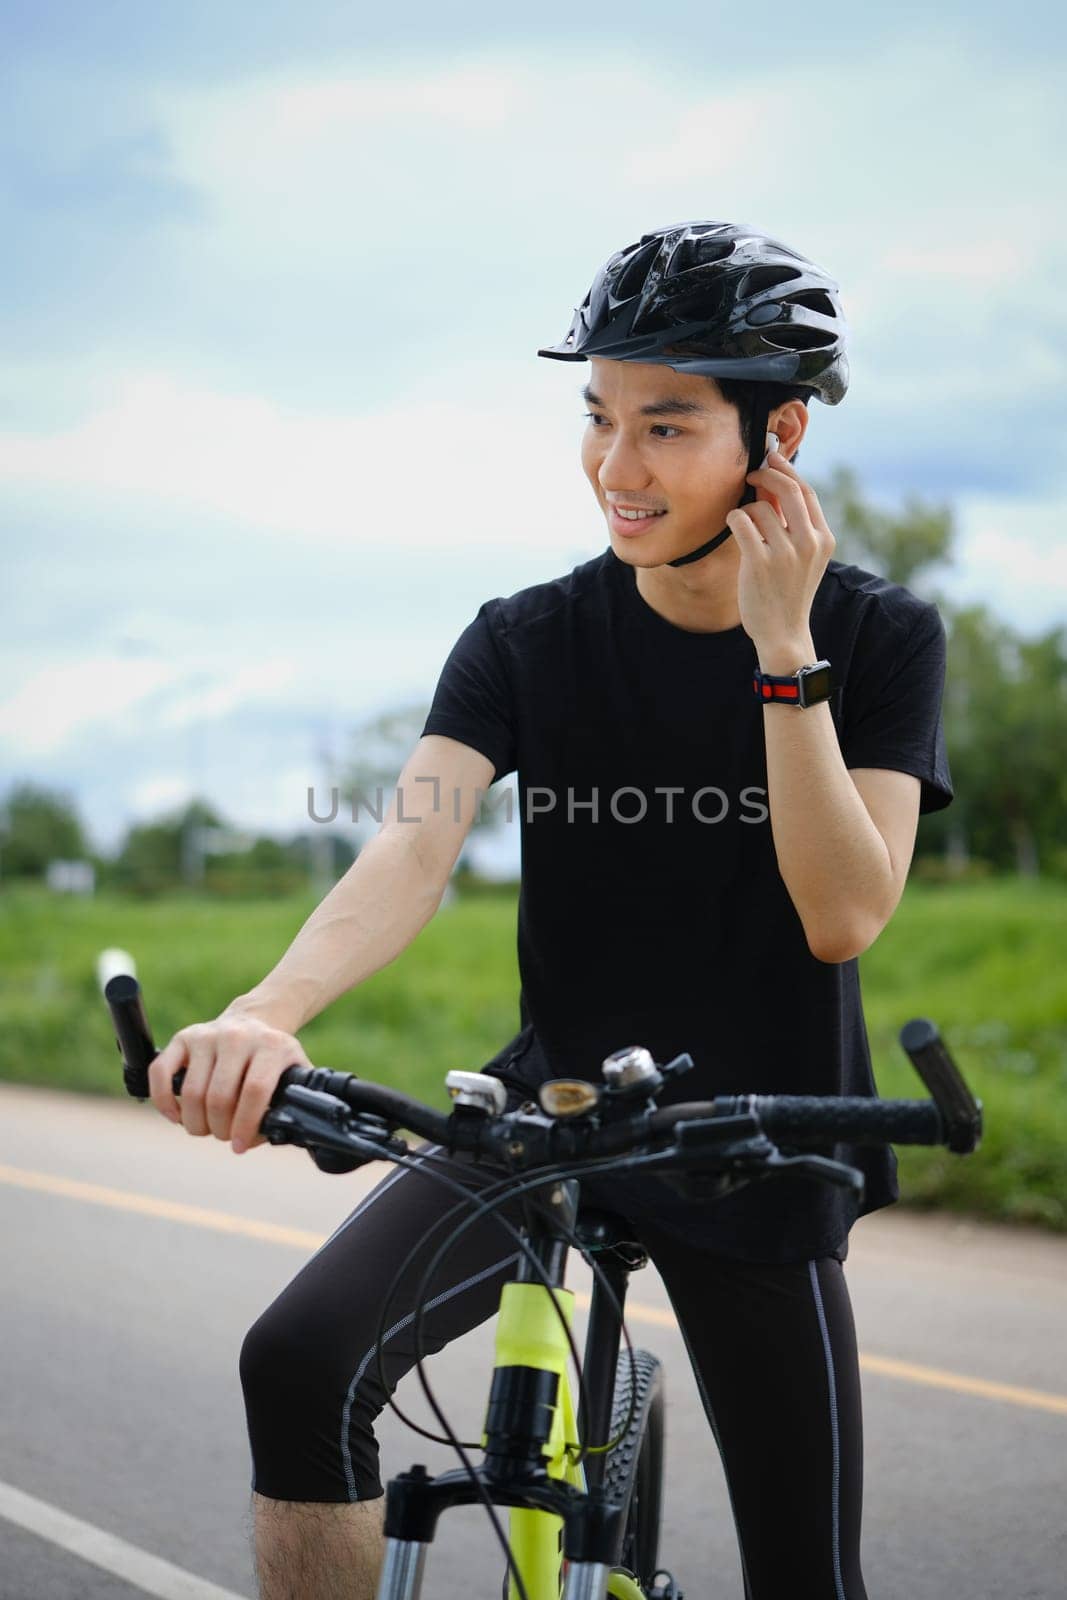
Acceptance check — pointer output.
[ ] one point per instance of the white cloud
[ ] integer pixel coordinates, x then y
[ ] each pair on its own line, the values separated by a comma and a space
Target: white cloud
274, 798
158, 792
282, 153
712, 139
55, 704
980, 260
479, 95
432, 474
263, 680
270, 800
60, 703
1012, 555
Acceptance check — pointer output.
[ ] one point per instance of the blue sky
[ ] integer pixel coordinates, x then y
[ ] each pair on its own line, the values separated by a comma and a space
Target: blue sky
272, 424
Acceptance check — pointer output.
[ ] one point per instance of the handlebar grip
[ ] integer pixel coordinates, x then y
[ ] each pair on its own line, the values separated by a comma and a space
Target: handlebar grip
133, 1036
961, 1112
395, 1108
849, 1120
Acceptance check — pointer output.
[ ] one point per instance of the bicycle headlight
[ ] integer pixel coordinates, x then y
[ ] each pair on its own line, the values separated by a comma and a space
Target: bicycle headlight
477, 1090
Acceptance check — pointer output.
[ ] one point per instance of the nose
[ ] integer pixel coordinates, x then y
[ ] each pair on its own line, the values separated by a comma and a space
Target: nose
621, 470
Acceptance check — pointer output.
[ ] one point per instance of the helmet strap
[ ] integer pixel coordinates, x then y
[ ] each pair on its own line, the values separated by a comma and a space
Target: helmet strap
758, 419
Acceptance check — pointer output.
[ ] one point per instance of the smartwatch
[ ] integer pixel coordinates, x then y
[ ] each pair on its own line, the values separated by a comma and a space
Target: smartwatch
805, 687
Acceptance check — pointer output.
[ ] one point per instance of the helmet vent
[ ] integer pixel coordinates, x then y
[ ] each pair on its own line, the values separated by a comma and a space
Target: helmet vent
697, 304
794, 337
758, 278
711, 249
631, 279
814, 299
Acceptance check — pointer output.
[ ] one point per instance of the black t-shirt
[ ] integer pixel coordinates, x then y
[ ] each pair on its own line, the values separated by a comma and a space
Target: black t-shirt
651, 908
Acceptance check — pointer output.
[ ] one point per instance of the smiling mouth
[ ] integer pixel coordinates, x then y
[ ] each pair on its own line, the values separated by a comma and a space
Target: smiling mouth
633, 524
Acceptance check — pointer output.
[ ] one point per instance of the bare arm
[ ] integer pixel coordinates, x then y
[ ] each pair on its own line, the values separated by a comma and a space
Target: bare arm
844, 840
843, 843
232, 1065
389, 893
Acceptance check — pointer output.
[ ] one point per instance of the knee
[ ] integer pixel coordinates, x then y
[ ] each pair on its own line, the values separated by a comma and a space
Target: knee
267, 1353
308, 1442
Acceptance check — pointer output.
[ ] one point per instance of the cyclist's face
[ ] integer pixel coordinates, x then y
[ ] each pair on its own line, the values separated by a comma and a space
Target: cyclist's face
692, 465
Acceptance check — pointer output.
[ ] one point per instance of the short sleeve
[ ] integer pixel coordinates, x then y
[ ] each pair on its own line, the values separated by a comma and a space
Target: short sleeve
473, 701
893, 712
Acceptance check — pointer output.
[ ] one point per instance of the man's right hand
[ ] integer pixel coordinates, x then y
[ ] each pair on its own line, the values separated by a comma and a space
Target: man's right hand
232, 1067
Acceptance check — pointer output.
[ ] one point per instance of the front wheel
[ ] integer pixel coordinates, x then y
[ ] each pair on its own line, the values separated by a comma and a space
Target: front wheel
633, 1471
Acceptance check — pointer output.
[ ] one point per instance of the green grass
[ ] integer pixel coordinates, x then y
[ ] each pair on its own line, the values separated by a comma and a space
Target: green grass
984, 960
451, 999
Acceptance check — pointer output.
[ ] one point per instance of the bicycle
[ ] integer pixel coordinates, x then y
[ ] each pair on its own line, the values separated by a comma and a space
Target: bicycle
584, 1516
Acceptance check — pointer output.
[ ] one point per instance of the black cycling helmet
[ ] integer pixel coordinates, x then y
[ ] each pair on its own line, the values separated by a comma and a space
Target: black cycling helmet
726, 300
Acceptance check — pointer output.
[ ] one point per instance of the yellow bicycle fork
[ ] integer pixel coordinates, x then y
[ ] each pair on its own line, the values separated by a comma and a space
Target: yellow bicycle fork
531, 1334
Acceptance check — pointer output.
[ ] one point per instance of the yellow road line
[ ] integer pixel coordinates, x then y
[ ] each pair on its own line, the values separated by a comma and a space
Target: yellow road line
938, 1378
148, 1206
301, 1239
889, 1367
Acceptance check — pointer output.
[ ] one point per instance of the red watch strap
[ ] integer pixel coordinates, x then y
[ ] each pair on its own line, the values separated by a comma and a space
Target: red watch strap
768, 687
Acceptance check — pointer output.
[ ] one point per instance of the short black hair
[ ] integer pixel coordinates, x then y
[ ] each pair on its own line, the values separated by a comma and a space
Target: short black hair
739, 392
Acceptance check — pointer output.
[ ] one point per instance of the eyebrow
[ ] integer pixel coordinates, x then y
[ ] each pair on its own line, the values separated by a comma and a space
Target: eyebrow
669, 406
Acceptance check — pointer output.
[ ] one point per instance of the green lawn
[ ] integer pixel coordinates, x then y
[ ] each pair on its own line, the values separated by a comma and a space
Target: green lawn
985, 961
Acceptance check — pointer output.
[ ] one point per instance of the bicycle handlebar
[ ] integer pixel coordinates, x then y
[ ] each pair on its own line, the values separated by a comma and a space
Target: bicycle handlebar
337, 1111
133, 1037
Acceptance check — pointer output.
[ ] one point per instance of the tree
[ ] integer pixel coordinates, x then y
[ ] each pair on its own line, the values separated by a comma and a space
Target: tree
896, 545
1005, 710
159, 856
38, 825
1005, 704
267, 866
1039, 742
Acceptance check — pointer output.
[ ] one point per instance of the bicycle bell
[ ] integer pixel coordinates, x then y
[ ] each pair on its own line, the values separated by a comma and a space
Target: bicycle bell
631, 1068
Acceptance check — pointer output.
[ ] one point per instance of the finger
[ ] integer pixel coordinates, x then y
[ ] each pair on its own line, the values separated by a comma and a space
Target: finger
161, 1070
811, 499
234, 1046
257, 1091
789, 493
775, 479
816, 513
799, 529
197, 1078
769, 524
748, 536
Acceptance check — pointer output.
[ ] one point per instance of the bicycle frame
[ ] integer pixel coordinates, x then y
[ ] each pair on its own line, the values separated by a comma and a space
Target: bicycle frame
532, 1431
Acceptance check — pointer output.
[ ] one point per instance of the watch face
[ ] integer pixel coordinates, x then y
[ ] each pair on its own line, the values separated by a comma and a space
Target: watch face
815, 685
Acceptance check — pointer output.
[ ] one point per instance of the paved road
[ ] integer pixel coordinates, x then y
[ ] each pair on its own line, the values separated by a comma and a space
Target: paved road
125, 1296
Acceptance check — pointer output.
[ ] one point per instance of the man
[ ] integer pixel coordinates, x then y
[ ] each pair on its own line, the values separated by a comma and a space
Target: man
723, 739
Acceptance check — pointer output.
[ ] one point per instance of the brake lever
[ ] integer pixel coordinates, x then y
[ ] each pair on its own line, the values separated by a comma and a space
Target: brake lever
821, 1167
738, 1155
337, 1138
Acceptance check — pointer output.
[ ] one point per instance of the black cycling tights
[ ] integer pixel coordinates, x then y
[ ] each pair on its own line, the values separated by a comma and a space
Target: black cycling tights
773, 1349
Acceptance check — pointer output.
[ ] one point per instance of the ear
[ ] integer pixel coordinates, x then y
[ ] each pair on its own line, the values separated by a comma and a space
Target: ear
790, 423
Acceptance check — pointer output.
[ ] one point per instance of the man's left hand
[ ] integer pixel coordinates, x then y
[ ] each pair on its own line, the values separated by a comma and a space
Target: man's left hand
785, 544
